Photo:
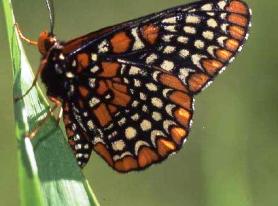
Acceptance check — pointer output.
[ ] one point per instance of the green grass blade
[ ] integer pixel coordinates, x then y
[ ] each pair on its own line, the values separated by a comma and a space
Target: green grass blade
48, 173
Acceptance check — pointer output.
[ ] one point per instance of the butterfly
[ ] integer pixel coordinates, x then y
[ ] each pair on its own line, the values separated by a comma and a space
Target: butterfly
127, 91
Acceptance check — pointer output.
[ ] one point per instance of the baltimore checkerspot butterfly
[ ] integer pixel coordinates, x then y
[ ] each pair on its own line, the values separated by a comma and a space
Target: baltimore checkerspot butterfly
127, 91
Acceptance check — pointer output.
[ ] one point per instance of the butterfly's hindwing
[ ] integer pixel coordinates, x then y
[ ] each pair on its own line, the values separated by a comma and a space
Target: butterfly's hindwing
134, 83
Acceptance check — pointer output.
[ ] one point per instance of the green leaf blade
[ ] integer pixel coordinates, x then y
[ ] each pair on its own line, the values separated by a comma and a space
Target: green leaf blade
48, 172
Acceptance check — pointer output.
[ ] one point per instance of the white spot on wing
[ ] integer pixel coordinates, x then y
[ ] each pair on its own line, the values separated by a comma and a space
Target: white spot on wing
222, 4
151, 87
167, 38
169, 109
189, 29
182, 39
208, 35
184, 53
183, 73
156, 116
212, 23
207, 7
169, 49
221, 40
211, 50
171, 20
138, 44
118, 145
155, 134
103, 47
94, 101
134, 70
157, 102
151, 58
94, 57
139, 144
196, 60
167, 65
170, 28
130, 133
193, 19
145, 125
199, 44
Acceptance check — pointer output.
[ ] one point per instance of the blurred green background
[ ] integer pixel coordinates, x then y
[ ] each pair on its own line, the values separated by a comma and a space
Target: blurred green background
231, 157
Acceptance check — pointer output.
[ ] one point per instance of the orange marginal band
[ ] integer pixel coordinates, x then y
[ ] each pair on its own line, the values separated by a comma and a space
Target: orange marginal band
197, 81
211, 66
237, 7
126, 164
178, 134
183, 116
238, 19
172, 81
146, 157
165, 147
181, 99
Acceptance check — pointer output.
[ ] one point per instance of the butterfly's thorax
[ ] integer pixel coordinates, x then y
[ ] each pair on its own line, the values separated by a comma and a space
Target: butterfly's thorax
56, 75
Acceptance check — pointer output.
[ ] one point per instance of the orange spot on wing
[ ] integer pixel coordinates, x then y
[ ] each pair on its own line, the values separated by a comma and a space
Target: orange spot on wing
232, 44
237, 7
178, 134
238, 19
84, 92
197, 81
146, 157
181, 99
102, 87
165, 147
172, 81
223, 54
150, 33
237, 32
110, 69
120, 87
112, 109
102, 115
103, 152
120, 42
126, 164
211, 65
120, 98
82, 62
183, 116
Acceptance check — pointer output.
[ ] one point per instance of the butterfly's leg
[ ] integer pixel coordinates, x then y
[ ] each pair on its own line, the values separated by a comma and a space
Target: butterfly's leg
59, 117
34, 131
43, 62
29, 41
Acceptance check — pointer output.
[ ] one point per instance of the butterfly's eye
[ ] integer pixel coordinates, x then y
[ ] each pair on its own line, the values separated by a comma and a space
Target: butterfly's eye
45, 42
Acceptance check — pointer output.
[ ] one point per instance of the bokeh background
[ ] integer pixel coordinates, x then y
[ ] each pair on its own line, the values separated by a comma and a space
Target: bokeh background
231, 157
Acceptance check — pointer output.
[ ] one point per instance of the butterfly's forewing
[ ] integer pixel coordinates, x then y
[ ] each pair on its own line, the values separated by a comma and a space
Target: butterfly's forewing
137, 79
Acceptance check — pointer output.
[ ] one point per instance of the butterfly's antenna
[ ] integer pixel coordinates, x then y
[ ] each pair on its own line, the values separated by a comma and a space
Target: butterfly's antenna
50, 7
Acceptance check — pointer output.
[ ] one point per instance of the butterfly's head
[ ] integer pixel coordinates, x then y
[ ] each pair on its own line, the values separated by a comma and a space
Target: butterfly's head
45, 42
